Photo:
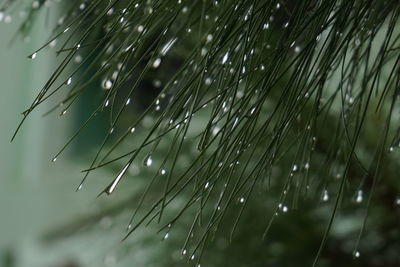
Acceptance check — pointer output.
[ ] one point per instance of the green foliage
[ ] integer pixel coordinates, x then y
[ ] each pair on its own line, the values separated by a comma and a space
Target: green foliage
243, 112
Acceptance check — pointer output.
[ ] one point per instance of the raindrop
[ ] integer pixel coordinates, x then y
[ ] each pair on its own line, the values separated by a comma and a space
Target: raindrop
358, 197
184, 252
294, 168
69, 81
110, 11
33, 56
225, 58
307, 166
325, 196
7, 19
132, 130
54, 159
166, 236
111, 188
78, 59
148, 161
216, 130
156, 62
397, 201
206, 185
128, 101
163, 171
53, 43
285, 209
35, 4
356, 254
107, 84
241, 200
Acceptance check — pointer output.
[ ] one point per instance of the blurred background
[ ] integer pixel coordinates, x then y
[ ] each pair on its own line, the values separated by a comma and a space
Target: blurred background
45, 223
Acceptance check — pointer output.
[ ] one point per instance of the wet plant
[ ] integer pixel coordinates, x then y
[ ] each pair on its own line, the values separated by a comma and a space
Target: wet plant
233, 103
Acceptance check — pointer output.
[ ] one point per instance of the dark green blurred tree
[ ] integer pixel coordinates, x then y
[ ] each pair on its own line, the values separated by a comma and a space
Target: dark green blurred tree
265, 132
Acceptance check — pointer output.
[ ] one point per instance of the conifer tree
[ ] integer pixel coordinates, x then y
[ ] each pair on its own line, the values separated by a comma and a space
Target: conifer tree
250, 120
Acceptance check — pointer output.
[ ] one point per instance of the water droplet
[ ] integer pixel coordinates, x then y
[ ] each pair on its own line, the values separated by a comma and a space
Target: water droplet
184, 252
33, 56
397, 201
206, 185
69, 81
325, 196
148, 161
132, 130
35, 4
107, 84
163, 171
54, 159
285, 209
241, 200
356, 254
225, 58
216, 130
111, 188
391, 149
358, 197
294, 168
53, 43
157, 63
7, 19
166, 236
78, 59
127, 101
